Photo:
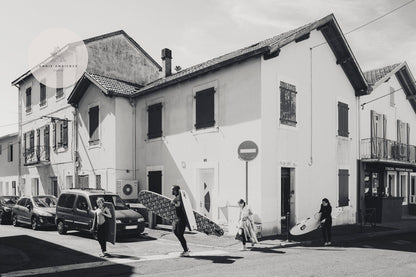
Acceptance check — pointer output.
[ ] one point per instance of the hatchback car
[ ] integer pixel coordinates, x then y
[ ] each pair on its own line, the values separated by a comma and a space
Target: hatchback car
75, 211
6, 205
37, 211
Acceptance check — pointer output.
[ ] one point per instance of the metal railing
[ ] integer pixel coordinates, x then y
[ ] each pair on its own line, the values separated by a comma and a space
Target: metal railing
37, 154
385, 149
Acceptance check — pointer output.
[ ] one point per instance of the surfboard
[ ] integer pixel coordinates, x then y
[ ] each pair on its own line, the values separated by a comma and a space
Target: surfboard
307, 225
188, 211
163, 207
111, 227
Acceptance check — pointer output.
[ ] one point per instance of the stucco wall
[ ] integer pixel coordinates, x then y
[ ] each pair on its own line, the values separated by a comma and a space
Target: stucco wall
8, 170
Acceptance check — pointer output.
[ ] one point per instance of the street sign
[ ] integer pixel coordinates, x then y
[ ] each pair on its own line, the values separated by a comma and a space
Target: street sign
248, 150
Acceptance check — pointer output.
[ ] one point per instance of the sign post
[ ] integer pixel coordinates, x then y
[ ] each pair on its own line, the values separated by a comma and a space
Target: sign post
247, 151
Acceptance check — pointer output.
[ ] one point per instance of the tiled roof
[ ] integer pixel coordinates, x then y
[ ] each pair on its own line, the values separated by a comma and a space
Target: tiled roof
373, 76
257, 48
114, 86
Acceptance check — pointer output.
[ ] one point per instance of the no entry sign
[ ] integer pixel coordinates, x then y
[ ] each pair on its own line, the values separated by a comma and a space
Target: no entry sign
248, 150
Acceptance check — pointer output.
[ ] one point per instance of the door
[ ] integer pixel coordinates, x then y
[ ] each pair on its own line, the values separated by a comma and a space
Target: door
65, 209
82, 215
83, 181
155, 185
18, 209
206, 187
35, 186
287, 178
54, 186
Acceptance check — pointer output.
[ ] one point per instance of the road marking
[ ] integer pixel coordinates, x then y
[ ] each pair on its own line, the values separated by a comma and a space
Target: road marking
110, 261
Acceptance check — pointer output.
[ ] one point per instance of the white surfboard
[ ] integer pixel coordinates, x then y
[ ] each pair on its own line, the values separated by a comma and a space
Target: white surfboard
306, 225
188, 210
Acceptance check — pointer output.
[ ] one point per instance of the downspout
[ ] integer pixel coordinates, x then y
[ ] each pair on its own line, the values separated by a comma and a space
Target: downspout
133, 127
311, 116
19, 141
75, 143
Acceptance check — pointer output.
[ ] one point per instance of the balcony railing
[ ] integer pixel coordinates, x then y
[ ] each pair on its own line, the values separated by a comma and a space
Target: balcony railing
385, 149
37, 155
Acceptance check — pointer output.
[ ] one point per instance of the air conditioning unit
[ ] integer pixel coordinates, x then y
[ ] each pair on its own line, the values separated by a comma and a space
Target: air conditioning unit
127, 189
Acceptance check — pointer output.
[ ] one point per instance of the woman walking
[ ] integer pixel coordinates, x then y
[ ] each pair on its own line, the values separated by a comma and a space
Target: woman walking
101, 213
178, 226
246, 231
326, 221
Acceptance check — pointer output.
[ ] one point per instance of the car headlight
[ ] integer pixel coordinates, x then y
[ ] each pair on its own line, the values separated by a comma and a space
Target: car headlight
140, 219
118, 221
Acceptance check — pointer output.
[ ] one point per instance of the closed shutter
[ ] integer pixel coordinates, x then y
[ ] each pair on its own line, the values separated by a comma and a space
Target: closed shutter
154, 113
65, 133
25, 147
54, 135
42, 94
32, 140
46, 141
37, 143
343, 198
205, 109
343, 119
93, 123
28, 97
10, 153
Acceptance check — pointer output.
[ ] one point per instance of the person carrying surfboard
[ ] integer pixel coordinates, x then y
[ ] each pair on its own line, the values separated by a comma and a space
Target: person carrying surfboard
99, 223
179, 225
326, 220
246, 231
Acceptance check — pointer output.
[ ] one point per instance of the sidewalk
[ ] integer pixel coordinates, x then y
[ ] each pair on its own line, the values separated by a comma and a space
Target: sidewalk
343, 233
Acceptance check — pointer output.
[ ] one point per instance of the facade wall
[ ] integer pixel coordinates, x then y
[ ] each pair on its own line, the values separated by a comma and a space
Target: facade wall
314, 159
9, 169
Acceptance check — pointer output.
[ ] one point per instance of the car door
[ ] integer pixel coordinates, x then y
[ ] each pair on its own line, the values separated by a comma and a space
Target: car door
82, 213
65, 209
26, 210
17, 210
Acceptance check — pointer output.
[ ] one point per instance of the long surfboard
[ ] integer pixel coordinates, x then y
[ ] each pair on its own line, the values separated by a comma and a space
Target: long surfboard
188, 211
111, 223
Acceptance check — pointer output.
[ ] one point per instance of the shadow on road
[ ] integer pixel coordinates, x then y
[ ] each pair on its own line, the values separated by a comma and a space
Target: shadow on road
268, 250
218, 259
24, 252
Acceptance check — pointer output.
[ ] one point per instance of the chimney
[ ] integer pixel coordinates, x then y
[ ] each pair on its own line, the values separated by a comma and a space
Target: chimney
167, 62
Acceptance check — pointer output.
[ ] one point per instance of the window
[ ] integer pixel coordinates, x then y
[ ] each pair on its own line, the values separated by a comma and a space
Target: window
66, 200
82, 203
22, 202
46, 142
60, 134
14, 192
35, 186
412, 196
343, 198
402, 187
343, 119
10, 153
83, 181
42, 95
28, 100
287, 104
391, 97
59, 84
98, 181
205, 108
154, 116
94, 124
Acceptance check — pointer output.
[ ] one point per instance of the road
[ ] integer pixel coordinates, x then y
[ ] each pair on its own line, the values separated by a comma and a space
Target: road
27, 252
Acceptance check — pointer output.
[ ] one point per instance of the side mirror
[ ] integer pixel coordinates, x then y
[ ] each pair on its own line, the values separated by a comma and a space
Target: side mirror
28, 207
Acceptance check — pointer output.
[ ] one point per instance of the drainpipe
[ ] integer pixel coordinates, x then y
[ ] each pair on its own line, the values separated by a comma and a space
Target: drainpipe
311, 89
75, 143
133, 127
19, 139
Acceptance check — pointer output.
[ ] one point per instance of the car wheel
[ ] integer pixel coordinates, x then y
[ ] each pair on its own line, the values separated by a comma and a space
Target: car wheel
61, 227
35, 224
14, 221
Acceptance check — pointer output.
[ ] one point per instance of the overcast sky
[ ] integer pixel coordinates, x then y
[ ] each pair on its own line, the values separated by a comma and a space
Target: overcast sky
198, 30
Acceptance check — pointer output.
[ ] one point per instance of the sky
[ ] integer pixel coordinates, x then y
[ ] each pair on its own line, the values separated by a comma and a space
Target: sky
198, 30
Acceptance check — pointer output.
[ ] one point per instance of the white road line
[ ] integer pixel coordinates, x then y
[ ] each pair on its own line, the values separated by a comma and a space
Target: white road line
110, 261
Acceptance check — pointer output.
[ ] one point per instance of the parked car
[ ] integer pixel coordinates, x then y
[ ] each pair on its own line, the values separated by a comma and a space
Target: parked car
75, 211
37, 211
6, 205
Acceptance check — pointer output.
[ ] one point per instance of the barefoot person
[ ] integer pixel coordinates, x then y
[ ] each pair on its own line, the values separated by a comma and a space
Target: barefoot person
100, 224
246, 231
178, 226
326, 220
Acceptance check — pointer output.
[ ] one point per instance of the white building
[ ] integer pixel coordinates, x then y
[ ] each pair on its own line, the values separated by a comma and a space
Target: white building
388, 139
49, 155
295, 95
9, 174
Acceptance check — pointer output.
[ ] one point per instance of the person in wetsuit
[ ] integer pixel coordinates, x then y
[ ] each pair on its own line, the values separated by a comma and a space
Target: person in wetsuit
179, 225
326, 220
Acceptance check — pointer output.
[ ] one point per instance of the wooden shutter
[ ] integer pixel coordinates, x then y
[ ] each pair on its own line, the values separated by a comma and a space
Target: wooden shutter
25, 147
28, 97
154, 113
65, 133
93, 123
343, 198
54, 135
37, 142
205, 109
42, 94
343, 119
46, 141
32, 140
10, 153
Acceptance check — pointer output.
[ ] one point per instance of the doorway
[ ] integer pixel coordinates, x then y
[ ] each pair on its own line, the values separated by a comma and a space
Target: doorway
206, 187
287, 210
54, 186
154, 179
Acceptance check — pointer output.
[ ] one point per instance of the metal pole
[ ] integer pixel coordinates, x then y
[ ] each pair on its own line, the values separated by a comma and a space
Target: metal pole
246, 181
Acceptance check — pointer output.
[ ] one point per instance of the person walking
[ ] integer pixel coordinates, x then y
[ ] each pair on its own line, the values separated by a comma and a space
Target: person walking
326, 221
246, 231
99, 224
179, 225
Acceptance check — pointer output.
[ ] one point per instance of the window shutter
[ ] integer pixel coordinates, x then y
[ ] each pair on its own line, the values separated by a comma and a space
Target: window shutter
205, 112
10, 153
32, 140
65, 133
154, 113
93, 123
343, 197
25, 147
46, 141
37, 142
28, 97
343, 119
59, 133
42, 94
54, 135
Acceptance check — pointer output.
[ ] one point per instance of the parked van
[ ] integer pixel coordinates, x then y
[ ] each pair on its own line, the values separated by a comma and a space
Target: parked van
75, 207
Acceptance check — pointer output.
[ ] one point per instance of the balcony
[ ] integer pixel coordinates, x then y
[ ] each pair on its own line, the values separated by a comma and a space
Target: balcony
38, 155
389, 150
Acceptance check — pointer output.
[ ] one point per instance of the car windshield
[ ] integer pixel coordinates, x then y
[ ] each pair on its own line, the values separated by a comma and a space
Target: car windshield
115, 199
8, 199
45, 201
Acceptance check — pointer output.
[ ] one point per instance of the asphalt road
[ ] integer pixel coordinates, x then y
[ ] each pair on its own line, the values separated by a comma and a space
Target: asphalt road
27, 252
